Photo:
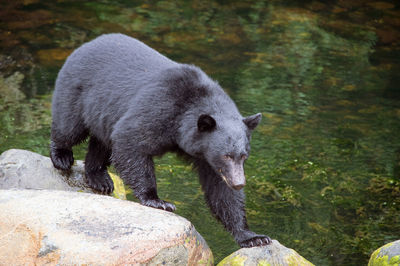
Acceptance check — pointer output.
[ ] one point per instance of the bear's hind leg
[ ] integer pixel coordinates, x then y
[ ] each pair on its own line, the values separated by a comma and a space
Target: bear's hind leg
144, 184
96, 162
137, 171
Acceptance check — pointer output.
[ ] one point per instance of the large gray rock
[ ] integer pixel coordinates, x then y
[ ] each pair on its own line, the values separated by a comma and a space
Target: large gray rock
388, 255
25, 169
40, 227
274, 254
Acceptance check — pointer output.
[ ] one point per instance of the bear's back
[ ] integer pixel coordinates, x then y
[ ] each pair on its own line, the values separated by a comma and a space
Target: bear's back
111, 56
101, 79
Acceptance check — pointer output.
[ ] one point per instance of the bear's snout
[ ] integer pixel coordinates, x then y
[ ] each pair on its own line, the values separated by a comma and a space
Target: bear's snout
238, 180
233, 174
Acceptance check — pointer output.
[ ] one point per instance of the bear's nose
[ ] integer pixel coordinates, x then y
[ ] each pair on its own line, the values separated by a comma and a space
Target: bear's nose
238, 187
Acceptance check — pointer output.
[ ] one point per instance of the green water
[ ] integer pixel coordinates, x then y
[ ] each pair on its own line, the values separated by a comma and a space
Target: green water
324, 173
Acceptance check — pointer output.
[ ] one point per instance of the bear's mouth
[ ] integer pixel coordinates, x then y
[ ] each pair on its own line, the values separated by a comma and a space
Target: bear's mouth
226, 180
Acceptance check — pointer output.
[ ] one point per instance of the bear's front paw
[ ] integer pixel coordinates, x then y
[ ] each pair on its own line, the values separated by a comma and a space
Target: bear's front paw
259, 240
100, 182
159, 204
62, 158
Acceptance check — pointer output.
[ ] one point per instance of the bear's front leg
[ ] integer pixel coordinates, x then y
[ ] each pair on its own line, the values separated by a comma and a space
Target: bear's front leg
228, 206
137, 171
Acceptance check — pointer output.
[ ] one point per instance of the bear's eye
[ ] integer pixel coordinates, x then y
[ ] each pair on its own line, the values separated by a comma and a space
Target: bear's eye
244, 157
228, 157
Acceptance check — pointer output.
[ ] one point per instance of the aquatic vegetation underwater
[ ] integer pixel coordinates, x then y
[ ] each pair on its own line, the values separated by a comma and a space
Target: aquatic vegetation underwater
324, 172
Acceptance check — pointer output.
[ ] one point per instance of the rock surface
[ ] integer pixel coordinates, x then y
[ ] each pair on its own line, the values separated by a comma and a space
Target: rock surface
54, 227
388, 255
274, 254
70, 228
25, 169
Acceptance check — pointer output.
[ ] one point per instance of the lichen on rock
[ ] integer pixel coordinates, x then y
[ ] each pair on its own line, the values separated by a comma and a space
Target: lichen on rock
388, 255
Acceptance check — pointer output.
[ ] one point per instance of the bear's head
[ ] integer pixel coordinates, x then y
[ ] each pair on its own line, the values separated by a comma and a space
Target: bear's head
224, 142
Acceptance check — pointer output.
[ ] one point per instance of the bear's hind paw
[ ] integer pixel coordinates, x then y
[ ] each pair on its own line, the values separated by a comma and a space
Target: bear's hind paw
159, 204
100, 182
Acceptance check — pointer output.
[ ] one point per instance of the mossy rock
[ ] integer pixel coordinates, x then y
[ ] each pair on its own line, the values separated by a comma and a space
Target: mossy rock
271, 255
388, 255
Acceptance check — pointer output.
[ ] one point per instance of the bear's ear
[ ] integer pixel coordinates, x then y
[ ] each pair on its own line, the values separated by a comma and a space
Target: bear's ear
252, 121
206, 123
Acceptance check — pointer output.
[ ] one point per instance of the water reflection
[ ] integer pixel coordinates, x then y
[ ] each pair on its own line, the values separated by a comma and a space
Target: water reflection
323, 177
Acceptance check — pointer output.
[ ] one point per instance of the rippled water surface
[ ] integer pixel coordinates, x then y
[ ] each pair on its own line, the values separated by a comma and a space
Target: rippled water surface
324, 174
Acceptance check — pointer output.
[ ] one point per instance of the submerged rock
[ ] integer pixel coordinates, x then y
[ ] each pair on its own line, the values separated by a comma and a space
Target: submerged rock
10, 87
25, 169
388, 255
274, 254
69, 228
49, 56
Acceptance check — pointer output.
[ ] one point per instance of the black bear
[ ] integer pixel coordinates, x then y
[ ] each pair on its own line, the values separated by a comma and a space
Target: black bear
135, 103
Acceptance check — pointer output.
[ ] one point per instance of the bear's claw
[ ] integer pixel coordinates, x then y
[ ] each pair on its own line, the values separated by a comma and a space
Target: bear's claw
100, 182
259, 240
159, 204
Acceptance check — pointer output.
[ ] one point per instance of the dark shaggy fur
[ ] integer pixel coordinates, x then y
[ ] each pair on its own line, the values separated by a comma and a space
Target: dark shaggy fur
134, 103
